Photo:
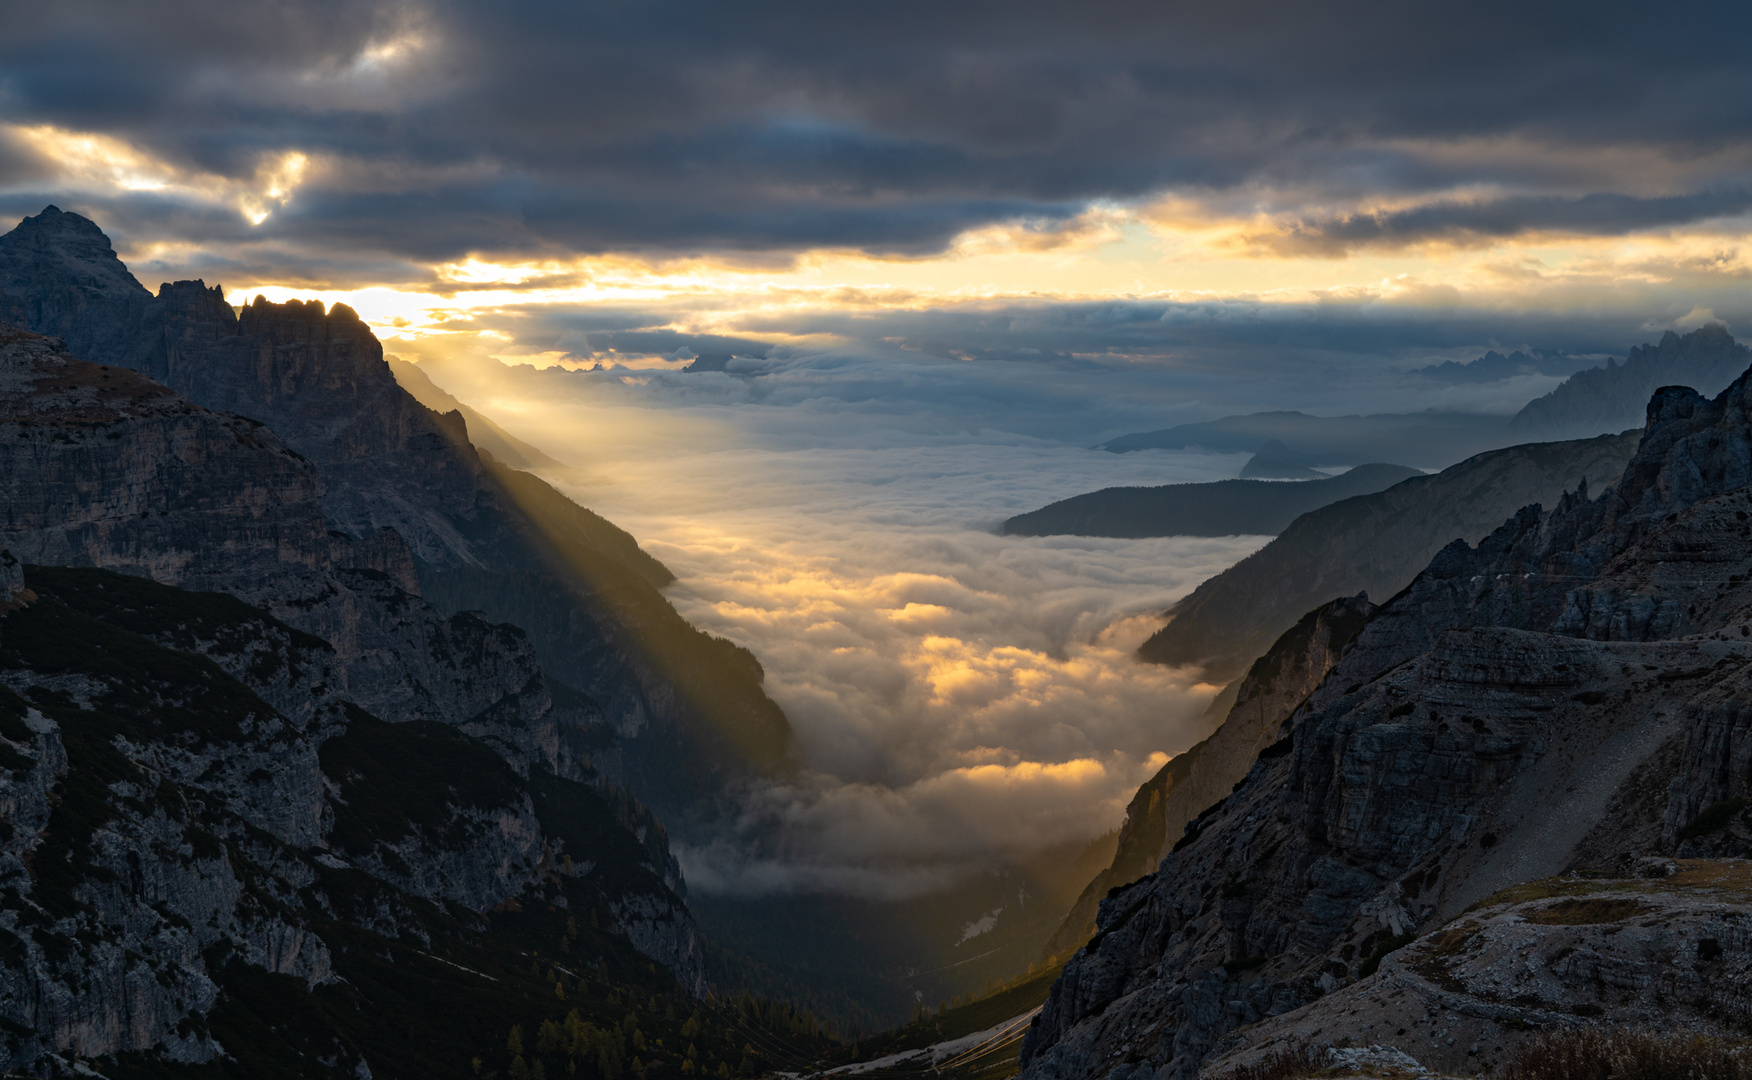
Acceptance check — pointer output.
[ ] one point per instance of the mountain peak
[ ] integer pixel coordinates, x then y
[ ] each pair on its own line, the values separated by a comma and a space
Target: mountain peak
69, 237
1614, 397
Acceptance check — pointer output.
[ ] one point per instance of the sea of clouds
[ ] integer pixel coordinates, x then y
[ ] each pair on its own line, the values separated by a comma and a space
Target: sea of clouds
962, 699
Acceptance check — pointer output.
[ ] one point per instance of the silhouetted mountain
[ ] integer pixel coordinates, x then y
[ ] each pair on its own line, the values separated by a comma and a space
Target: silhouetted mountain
1223, 508
1275, 461
1612, 398
1429, 440
1370, 543
1494, 367
483, 537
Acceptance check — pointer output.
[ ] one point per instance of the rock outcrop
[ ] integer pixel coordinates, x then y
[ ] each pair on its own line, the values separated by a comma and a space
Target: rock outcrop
1194, 781
1567, 696
1668, 952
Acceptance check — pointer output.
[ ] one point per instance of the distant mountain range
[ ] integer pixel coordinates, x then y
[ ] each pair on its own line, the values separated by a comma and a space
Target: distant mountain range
1596, 400
1223, 508
1494, 367
1613, 397
1426, 440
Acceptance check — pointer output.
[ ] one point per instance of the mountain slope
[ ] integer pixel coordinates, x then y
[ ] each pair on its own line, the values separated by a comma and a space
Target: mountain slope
692, 717
1371, 543
1194, 781
1568, 694
256, 838
482, 432
1223, 508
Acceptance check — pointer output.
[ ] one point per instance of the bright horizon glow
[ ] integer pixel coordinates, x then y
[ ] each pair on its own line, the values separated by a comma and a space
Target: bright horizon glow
1139, 262
1177, 247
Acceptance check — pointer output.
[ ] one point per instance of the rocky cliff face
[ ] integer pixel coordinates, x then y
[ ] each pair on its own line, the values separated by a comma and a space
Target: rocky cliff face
203, 789
689, 707
1372, 543
1198, 779
1612, 397
1567, 695
104, 467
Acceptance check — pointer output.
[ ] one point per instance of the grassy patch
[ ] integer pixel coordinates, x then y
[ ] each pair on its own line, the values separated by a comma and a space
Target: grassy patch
1391, 945
1585, 911
1593, 1054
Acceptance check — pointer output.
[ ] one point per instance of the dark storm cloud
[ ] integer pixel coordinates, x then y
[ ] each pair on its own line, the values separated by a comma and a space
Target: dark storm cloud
1602, 214
449, 127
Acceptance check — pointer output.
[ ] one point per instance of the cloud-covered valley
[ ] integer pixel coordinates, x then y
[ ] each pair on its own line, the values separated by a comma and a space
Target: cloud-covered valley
960, 698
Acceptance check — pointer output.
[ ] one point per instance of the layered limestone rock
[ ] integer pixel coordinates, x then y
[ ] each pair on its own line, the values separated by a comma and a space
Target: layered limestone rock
1569, 694
104, 466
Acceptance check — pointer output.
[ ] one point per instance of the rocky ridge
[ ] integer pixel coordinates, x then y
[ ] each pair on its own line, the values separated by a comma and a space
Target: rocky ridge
688, 707
1371, 543
1199, 778
202, 789
1567, 696
1610, 398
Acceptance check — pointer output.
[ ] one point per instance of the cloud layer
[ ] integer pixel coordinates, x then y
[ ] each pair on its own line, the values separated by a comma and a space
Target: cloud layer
385, 135
960, 698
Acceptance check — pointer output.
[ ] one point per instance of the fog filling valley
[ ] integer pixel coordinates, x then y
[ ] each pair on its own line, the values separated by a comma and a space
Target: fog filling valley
960, 698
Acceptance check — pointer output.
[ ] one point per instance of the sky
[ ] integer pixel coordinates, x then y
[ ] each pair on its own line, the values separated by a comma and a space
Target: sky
939, 250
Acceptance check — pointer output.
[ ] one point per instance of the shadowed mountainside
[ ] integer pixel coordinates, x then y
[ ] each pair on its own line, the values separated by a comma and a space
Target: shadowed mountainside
273, 828
1223, 508
1611, 398
1371, 543
688, 707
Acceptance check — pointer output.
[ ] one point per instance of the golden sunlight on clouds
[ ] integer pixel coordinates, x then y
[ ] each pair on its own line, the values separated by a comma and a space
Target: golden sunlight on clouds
95, 163
1171, 249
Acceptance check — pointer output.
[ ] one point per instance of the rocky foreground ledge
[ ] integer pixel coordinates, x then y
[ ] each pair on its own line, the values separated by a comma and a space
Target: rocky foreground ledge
1672, 952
